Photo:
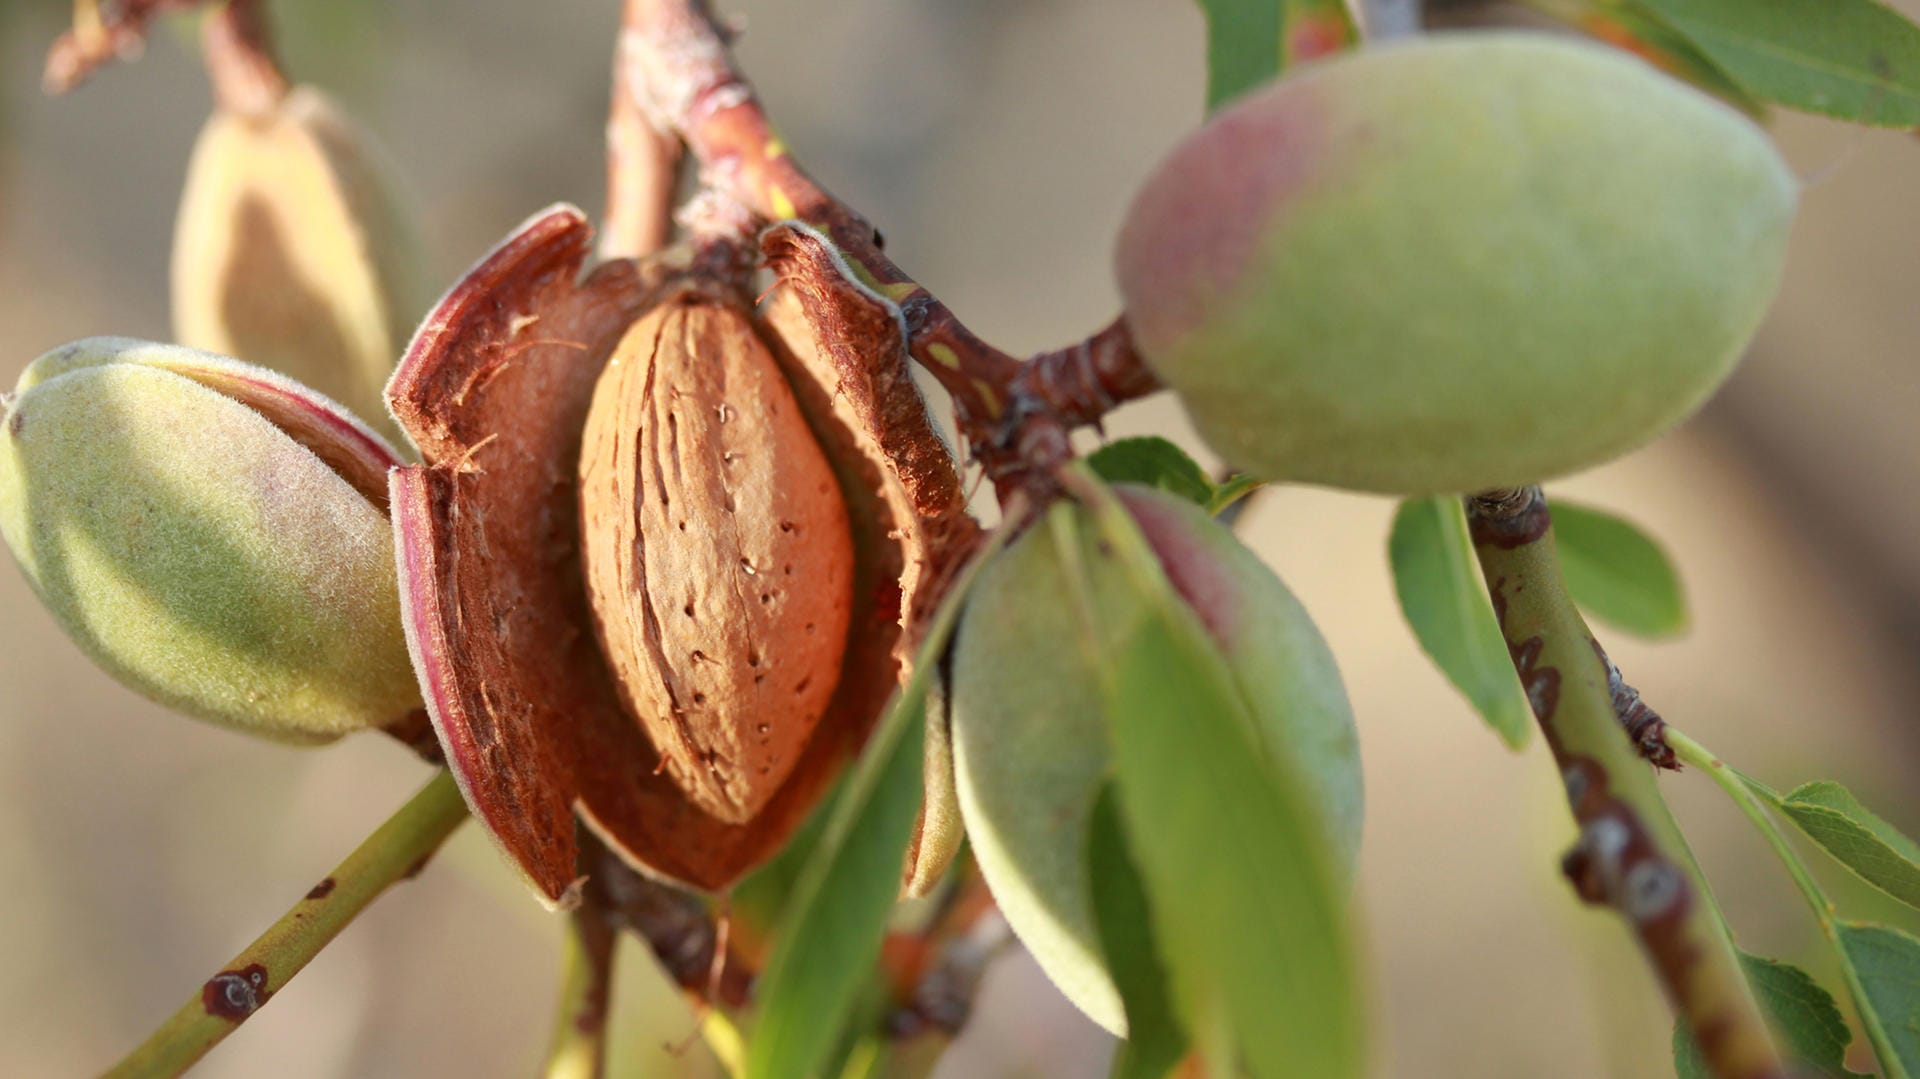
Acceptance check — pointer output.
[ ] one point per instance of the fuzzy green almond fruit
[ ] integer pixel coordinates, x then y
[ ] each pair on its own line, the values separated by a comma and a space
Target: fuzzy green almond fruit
1475, 260
213, 535
1029, 739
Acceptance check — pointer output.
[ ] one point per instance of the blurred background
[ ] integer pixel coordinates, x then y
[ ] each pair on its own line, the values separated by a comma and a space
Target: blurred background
996, 143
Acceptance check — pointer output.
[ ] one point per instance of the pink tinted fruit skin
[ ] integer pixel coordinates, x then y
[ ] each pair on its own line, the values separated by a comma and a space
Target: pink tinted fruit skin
1473, 260
1187, 252
1190, 568
1029, 734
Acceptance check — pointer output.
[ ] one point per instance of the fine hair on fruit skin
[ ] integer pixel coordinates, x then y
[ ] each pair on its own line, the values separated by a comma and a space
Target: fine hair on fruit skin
1029, 740
1474, 260
713, 629
224, 556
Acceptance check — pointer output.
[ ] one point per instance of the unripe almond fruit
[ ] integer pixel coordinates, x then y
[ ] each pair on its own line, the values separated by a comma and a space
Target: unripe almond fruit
1030, 742
1475, 260
719, 562
291, 250
203, 530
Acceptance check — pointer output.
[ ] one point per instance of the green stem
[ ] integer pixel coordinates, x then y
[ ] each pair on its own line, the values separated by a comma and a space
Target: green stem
392, 853
1692, 752
578, 1049
866, 1059
724, 1041
1631, 856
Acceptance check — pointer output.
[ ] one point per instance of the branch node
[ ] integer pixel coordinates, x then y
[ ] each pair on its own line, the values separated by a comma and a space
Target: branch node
1644, 726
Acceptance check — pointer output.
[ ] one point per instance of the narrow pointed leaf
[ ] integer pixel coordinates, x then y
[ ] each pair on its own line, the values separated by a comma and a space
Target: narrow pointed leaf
1886, 963
1252, 41
1153, 462
1629, 25
1617, 573
829, 938
1155, 1043
1438, 581
1246, 901
831, 934
1855, 60
1804, 1015
1857, 838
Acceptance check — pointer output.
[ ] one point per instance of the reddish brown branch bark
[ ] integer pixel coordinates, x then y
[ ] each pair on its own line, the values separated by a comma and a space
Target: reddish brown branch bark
681, 74
238, 51
676, 926
643, 162
240, 60
1083, 382
101, 34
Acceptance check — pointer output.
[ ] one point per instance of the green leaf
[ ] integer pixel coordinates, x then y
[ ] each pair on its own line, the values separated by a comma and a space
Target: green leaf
1855, 60
1887, 964
829, 937
1155, 1043
1153, 462
1252, 41
1245, 897
1628, 24
1874, 850
831, 933
1803, 1015
1438, 580
1617, 573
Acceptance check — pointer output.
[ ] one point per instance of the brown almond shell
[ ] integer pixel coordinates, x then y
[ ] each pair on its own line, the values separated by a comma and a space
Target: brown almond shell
494, 390
847, 357
721, 567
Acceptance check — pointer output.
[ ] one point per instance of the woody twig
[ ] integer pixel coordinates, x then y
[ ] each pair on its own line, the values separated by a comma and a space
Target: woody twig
681, 73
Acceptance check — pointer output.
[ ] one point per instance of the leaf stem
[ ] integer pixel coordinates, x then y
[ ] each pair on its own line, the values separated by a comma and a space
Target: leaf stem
1697, 755
1730, 781
394, 852
724, 1042
1630, 856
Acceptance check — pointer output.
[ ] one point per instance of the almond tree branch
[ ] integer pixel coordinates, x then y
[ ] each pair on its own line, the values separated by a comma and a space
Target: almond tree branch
394, 852
245, 76
675, 925
239, 56
99, 37
1630, 855
643, 162
682, 75
1083, 382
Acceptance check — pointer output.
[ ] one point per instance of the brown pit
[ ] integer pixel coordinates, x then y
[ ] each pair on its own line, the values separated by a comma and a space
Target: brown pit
782, 507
